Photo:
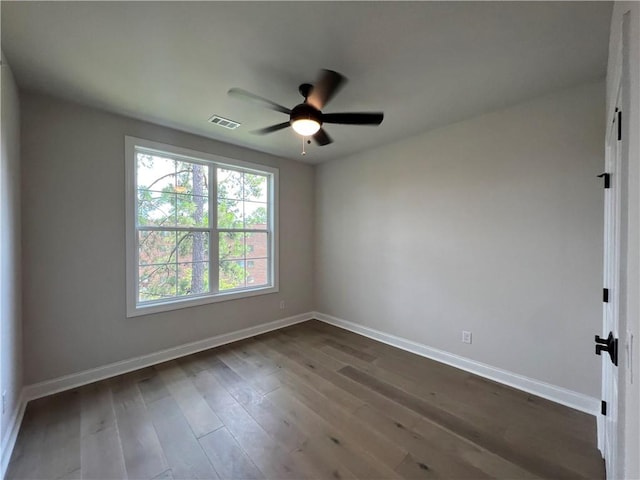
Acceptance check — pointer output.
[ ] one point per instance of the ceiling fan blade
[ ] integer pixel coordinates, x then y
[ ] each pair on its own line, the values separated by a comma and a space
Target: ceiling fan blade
244, 95
369, 118
322, 138
272, 128
325, 88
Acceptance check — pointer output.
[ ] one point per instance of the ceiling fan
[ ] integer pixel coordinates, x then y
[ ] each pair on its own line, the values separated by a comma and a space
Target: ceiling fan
307, 118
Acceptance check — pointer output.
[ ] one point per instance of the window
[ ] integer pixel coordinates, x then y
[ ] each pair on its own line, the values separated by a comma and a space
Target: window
200, 228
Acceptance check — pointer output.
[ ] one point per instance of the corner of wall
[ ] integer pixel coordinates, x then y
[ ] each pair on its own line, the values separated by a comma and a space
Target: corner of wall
11, 379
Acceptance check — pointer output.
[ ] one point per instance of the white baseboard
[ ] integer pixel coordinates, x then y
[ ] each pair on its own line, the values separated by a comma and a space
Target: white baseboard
85, 377
551, 392
9, 439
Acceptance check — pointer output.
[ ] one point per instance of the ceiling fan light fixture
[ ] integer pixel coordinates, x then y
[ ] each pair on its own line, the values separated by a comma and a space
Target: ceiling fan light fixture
305, 119
305, 126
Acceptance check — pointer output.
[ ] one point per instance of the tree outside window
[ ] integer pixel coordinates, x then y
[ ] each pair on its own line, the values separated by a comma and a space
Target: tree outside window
183, 209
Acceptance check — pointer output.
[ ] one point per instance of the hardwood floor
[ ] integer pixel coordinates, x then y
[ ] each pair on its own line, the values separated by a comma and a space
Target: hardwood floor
308, 401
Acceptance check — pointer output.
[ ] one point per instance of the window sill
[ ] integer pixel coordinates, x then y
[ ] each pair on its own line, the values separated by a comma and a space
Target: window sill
151, 308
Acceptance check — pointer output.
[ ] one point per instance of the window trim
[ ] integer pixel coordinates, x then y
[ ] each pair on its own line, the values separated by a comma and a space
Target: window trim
133, 308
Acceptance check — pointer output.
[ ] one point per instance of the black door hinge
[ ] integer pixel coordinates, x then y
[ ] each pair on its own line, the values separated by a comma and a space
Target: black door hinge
606, 177
603, 407
619, 125
605, 295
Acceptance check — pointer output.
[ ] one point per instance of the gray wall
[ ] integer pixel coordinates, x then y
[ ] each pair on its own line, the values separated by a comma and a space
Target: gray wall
74, 243
492, 225
10, 302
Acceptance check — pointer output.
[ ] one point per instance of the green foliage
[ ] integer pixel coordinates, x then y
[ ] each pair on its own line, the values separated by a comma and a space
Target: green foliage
175, 194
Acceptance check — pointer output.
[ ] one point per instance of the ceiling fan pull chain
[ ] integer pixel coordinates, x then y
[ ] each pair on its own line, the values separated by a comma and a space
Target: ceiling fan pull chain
303, 151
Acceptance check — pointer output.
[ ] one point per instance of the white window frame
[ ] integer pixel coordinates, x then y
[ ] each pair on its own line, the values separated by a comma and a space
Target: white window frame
134, 308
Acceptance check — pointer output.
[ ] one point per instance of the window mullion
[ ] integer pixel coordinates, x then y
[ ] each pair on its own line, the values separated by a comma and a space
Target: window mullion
154, 228
214, 242
241, 230
176, 261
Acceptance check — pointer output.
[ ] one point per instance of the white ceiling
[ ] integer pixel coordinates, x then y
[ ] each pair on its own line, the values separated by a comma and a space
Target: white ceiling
423, 64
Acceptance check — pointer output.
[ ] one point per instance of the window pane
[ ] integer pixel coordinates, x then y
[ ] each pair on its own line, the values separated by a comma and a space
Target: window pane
191, 178
257, 272
192, 211
232, 274
193, 278
156, 208
255, 187
229, 184
230, 213
255, 215
156, 247
193, 246
257, 246
155, 173
231, 245
156, 282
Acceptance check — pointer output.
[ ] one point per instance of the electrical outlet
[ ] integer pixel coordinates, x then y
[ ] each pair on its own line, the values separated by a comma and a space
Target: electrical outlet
466, 337
281, 304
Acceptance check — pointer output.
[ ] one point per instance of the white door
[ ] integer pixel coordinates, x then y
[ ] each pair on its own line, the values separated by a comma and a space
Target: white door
608, 425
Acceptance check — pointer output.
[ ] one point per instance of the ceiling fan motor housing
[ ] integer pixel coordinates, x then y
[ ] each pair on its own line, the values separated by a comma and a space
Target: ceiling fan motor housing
305, 112
305, 89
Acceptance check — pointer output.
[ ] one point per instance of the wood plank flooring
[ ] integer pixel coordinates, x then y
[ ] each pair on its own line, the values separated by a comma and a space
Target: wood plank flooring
308, 401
